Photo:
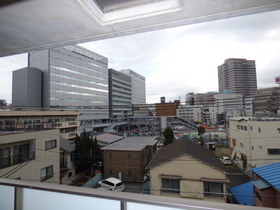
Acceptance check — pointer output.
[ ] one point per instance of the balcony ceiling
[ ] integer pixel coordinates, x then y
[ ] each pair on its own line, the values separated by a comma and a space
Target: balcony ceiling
28, 25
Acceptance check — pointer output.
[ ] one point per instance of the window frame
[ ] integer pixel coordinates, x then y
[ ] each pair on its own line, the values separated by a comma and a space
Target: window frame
51, 144
173, 186
48, 173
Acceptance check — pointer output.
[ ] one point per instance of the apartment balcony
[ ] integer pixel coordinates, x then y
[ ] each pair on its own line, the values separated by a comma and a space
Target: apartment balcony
19, 195
69, 135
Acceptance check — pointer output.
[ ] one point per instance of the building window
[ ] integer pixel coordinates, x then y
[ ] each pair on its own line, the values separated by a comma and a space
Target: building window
241, 145
110, 155
50, 144
129, 174
238, 127
273, 151
213, 189
4, 157
171, 186
245, 128
23, 153
46, 173
259, 130
128, 155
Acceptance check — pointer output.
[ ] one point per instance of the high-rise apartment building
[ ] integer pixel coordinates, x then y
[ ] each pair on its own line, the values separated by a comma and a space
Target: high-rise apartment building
119, 94
73, 78
138, 86
239, 76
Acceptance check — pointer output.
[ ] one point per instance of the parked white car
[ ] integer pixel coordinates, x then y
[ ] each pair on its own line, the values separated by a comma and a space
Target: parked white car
112, 184
226, 160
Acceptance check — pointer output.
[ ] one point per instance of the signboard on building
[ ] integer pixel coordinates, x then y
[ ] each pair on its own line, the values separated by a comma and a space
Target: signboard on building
277, 80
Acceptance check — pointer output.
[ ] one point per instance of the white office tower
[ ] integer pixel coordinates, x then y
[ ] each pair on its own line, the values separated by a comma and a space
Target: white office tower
138, 86
74, 78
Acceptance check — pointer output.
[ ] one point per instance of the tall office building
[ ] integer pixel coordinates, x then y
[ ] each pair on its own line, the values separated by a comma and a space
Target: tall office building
74, 78
119, 94
239, 76
138, 86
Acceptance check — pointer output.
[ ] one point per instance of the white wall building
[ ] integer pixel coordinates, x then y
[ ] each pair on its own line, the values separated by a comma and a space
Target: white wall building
138, 86
191, 113
30, 156
254, 142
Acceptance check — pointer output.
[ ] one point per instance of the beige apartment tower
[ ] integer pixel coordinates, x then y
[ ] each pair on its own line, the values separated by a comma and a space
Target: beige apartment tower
238, 76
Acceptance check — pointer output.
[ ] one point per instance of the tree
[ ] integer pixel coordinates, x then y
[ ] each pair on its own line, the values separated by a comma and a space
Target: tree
87, 152
201, 131
168, 135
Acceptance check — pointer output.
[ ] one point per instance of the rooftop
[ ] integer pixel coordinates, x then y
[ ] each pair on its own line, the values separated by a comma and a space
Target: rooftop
132, 144
270, 174
187, 147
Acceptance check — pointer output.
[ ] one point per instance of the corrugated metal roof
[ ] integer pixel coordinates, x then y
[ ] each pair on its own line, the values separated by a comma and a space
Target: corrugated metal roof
260, 184
270, 173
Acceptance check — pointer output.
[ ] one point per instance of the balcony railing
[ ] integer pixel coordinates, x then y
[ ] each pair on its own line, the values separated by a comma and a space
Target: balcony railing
19, 195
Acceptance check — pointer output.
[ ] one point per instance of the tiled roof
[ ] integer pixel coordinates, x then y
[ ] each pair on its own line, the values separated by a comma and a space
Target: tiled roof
182, 147
270, 173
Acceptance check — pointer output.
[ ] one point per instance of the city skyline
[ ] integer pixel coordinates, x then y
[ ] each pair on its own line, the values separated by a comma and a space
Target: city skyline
179, 60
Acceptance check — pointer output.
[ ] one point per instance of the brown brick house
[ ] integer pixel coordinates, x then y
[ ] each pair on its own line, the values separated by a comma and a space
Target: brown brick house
128, 158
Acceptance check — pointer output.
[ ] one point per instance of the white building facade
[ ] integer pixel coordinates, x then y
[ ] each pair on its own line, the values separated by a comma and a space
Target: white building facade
191, 113
254, 142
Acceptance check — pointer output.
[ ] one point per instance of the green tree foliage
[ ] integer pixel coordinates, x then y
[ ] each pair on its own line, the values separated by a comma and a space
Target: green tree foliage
168, 135
201, 130
87, 152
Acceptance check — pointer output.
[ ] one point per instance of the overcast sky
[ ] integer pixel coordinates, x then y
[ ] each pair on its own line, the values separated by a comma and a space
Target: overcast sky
180, 60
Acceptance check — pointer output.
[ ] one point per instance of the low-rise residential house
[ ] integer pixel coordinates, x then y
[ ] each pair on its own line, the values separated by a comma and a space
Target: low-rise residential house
187, 170
126, 159
263, 190
254, 142
267, 185
67, 165
30, 156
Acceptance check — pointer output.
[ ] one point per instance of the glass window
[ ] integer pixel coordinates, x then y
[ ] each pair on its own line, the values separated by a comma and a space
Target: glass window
273, 151
4, 157
170, 185
213, 189
46, 173
50, 144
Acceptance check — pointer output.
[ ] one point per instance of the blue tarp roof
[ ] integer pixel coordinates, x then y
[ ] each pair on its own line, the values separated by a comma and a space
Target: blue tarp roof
270, 173
244, 194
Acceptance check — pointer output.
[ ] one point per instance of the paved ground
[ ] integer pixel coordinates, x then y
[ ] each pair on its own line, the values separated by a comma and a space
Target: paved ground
133, 187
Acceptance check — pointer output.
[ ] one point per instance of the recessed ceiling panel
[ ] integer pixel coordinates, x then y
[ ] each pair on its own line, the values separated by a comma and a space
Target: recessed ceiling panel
110, 5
